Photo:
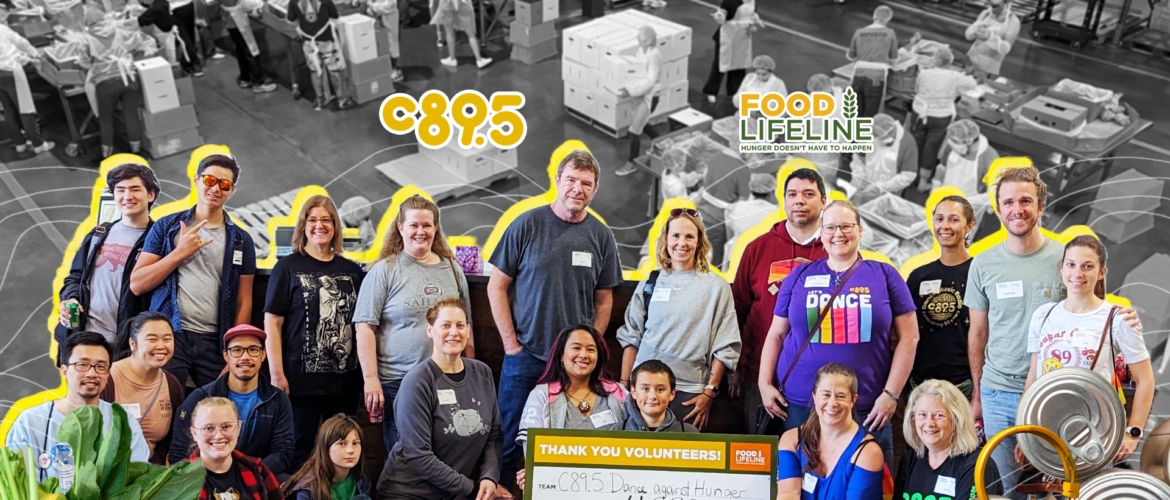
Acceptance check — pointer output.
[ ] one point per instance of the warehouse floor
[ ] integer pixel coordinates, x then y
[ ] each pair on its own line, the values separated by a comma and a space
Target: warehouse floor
283, 144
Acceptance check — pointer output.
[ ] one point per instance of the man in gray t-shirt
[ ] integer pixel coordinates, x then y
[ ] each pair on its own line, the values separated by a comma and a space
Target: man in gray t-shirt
564, 263
199, 277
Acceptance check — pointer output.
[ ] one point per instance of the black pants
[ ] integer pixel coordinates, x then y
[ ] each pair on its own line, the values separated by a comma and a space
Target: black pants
715, 77
185, 19
929, 136
636, 140
676, 406
12, 124
111, 93
198, 354
869, 95
308, 413
250, 69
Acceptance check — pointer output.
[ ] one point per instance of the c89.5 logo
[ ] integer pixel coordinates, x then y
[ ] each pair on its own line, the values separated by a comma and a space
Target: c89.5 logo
434, 118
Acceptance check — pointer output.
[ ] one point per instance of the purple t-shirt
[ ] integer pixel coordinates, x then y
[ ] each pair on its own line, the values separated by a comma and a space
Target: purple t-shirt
855, 333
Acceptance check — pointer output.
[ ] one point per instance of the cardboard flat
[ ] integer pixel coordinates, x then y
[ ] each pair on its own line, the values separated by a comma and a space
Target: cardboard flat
174, 143
169, 121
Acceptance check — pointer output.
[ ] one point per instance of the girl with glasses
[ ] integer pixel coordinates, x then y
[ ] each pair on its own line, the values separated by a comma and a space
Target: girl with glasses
215, 427
841, 309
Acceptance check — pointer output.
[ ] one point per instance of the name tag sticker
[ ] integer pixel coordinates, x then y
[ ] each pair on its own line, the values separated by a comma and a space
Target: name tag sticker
810, 483
820, 281
1009, 290
930, 287
447, 397
661, 295
945, 486
602, 419
582, 259
134, 410
237, 257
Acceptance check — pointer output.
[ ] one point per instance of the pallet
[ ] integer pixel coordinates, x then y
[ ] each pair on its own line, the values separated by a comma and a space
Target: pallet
1153, 42
622, 132
256, 217
421, 172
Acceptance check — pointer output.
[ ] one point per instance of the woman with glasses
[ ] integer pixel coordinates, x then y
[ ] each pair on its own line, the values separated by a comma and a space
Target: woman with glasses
684, 317
415, 270
215, 427
871, 326
141, 386
940, 428
308, 316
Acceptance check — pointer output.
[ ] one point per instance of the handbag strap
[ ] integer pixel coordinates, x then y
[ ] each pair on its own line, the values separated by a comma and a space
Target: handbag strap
1107, 332
820, 318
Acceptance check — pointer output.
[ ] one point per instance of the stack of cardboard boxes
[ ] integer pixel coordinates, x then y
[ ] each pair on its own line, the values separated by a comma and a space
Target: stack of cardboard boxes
534, 32
1144, 287
169, 124
1125, 206
475, 164
600, 58
367, 61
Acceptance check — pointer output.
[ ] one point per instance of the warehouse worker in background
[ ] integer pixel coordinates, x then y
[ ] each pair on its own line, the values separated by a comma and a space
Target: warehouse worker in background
183, 13
314, 23
646, 96
239, 27
386, 12
891, 166
564, 263
15, 94
762, 81
872, 50
727, 182
994, 33
938, 86
967, 157
86, 372
828, 164
742, 215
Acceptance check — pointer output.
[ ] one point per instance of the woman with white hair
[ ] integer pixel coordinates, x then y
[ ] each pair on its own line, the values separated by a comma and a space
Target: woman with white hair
940, 428
645, 92
966, 159
938, 86
892, 165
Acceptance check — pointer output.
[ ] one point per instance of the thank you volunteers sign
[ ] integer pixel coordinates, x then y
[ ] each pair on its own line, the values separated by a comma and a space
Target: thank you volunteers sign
603, 465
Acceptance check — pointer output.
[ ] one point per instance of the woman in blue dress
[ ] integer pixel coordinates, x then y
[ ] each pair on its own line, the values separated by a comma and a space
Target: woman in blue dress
830, 456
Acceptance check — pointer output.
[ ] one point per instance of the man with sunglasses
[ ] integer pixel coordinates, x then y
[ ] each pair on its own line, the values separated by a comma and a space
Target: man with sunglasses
99, 278
86, 370
199, 266
266, 418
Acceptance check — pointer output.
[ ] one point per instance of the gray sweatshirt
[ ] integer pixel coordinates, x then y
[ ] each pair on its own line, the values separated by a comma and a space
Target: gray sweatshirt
692, 322
634, 421
446, 429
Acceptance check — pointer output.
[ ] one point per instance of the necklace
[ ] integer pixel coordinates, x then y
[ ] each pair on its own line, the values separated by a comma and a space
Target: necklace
583, 406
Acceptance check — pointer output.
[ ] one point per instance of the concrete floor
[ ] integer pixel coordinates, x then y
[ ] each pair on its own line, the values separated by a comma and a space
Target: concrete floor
283, 144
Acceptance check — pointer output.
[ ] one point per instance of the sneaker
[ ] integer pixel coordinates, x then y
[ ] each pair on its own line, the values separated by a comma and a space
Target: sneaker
263, 88
135, 147
450, 61
20, 148
296, 92
218, 55
198, 73
345, 103
397, 76
627, 169
483, 63
711, 99
440, 42
319, 104
244, 84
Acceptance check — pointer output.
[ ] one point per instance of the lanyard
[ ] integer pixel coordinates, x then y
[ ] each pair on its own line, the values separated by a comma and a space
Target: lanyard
45, 447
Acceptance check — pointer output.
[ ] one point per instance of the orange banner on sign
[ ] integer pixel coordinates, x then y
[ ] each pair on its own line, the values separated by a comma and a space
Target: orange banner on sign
611, 452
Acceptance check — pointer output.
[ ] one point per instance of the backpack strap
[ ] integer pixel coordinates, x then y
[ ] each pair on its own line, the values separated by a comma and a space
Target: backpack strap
1108, 332
648, 293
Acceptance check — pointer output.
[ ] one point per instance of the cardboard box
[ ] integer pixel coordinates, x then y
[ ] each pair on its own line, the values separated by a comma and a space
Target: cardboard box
621, 71
591, 52
382, 39
158, 84
551, 10
370, 70
678, 95
357, 32
33, 28
186, 89
534, 54
1130, 190
171, 144
468, 165
674, 71
613, 111
1122, 227
1100, 136
528, 36
374, 89
169, 121
574, 96
1140, 284
621, 43
531, 12
62, 77
1093, 109
1057, 114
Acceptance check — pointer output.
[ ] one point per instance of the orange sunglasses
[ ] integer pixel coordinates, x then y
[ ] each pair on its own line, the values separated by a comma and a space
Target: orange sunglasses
211, 180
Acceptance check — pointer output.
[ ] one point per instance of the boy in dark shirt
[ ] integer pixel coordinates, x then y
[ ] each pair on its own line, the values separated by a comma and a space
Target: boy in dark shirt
649, 409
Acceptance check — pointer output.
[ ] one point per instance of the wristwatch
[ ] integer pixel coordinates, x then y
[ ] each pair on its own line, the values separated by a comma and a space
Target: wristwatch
712, 388
1134, 431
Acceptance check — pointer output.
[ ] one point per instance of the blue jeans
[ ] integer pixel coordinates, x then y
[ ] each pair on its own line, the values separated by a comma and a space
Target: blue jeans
797, 415
999, 414
389, 427
869, 95
517, 379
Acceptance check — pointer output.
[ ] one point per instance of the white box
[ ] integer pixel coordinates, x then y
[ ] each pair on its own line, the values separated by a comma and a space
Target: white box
627, 18
670, 72
588, 104
576, 42
591, 52
471, 165
678, 95
357, 31
621, 71
158, 84
580, 76
571, 40
552, 10
574, 97
616, 44
613, 111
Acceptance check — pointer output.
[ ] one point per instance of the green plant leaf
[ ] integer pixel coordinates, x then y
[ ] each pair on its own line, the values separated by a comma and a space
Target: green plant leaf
51, 485
137, 469
180, 482
10, 481
114, 454
82, 429
85, 483
134, 492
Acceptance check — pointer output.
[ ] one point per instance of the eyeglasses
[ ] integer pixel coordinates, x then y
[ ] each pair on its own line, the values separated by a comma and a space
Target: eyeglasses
313, 221
84, 367
689, 211
254, 351
211, 180
846, 228
228, 429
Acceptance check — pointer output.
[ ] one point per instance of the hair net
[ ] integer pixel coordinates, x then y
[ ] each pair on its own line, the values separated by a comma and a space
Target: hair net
648, 33
764, 62
884, 126
883, 13
355, 210
674, 160
965, 131
820, 83
762, 183
943, 57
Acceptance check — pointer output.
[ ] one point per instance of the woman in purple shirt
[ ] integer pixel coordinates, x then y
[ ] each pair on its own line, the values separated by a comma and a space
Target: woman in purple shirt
872, 328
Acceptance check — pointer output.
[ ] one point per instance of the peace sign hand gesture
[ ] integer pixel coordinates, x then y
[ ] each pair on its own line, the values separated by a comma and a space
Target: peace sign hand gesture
189, 240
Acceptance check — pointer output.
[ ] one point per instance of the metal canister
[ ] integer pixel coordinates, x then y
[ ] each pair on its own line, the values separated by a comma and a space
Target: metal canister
74, 315
1083, 409
1156, 453
1122, 484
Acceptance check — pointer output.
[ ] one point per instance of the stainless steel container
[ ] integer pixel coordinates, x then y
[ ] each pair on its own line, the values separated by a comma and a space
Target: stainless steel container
1123, 484
1156, 453
1083, 409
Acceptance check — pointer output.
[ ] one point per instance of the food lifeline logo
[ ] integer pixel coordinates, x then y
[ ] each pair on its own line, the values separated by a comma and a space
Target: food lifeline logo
802, 123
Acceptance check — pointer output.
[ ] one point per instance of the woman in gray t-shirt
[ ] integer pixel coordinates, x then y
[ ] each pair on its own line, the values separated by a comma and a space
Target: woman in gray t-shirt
415, 270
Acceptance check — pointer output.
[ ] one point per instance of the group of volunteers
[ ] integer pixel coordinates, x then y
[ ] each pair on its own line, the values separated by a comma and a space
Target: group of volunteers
822, 346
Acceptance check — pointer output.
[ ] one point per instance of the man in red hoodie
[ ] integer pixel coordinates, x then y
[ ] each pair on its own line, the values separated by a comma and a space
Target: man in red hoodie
765, 262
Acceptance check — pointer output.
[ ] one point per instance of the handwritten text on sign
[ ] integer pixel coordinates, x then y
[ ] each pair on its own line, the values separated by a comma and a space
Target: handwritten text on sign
565, 483
631, 452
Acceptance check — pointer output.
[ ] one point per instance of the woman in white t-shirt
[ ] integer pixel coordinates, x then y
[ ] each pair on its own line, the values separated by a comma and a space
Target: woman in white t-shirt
1068, 333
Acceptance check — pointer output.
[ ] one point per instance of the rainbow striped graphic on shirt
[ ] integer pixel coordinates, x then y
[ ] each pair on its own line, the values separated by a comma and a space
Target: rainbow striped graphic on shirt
850, 321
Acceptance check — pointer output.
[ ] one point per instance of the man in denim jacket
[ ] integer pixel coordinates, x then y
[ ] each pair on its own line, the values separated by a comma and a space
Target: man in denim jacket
200, 266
